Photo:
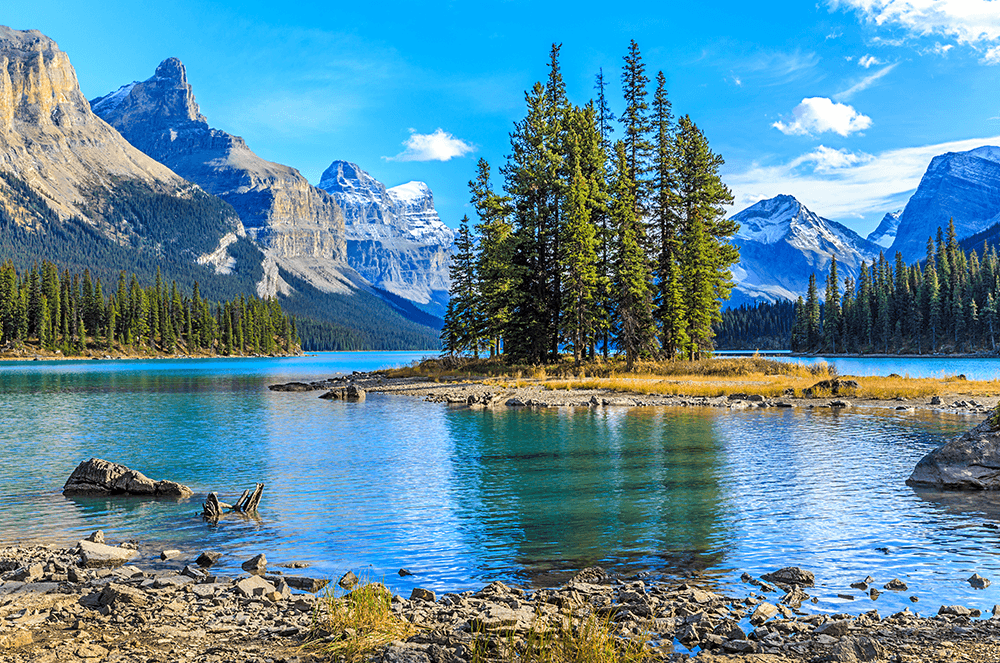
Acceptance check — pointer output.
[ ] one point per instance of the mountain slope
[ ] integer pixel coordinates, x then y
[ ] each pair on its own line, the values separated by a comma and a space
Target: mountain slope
299, 227
964, 186
395, 238
782, 242
295, 223
72, 189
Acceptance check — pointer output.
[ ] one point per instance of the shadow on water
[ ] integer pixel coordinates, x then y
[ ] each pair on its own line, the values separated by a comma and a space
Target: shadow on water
631, 490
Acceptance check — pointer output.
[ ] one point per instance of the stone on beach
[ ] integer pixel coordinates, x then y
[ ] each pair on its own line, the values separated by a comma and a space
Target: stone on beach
348, 580
100, 477
96, 555
208, 558
256, 564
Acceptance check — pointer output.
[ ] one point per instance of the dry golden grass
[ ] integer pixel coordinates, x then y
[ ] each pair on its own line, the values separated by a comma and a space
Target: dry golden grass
590, 640
352, 627
709, 378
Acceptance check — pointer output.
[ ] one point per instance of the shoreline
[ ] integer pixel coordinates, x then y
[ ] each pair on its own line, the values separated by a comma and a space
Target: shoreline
482, 394
59, 604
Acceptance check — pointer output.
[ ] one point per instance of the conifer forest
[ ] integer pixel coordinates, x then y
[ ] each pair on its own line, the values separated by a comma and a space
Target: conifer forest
71, 314
945, 303
607, 236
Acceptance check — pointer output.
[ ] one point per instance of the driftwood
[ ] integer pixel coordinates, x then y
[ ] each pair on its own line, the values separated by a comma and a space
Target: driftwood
245, 506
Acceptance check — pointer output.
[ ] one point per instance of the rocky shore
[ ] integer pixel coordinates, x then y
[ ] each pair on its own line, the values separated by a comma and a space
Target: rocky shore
92, 603
483, 395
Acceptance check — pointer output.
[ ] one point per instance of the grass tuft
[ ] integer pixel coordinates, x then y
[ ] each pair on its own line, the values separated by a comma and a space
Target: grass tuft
592, 640
350, 628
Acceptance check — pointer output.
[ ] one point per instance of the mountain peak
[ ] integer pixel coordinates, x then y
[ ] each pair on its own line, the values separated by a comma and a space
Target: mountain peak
172, 69
885, 234
164, 100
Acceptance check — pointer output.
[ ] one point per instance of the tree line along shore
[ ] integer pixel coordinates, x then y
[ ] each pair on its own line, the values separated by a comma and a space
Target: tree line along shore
51, 313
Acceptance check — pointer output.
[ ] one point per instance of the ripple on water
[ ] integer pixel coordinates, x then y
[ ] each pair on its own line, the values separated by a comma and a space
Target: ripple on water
462, 497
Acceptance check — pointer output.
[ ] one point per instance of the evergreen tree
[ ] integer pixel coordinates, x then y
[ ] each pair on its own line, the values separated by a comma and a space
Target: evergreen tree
636, 126
812, 316
831, 307
580, 267
631, 288
462, 320
707, 256
493, 267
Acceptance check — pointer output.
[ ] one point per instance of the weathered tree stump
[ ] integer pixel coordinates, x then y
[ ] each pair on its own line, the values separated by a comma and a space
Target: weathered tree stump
245, 506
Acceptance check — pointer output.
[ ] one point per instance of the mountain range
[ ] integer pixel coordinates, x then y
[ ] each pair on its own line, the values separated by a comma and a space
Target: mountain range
138, 179
782, 242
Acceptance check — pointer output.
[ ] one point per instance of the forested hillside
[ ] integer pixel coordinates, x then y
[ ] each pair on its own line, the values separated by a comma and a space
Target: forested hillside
57, 311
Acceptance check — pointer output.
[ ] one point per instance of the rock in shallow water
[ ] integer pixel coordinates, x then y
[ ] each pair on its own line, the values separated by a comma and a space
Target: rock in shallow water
971, 461
100, 477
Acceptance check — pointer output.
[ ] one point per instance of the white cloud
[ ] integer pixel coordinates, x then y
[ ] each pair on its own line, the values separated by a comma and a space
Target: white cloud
967, 21
992, 56
438, 146
845, 185
868, 60
864, 83
938, 49
827, 159
816, 115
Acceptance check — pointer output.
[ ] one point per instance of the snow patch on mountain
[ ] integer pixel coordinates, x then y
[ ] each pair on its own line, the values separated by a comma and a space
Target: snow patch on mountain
885, 234
782, 242
395, 237
112, 100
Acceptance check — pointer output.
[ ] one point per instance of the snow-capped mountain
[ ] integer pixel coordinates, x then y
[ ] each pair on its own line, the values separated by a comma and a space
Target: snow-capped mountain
781, 243
885, 234
395, 237
964, 186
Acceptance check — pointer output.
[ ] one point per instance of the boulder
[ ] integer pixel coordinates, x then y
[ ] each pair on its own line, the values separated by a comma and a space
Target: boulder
978, 582
100, 477
254, 586
970, 461
791, 575
95, 555
421, 594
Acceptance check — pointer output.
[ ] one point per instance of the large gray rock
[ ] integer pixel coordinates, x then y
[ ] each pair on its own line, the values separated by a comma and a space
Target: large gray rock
100, 477
971, 461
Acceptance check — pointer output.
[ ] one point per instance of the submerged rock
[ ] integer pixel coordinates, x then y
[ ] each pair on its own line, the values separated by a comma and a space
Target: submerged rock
100, 477
971, 461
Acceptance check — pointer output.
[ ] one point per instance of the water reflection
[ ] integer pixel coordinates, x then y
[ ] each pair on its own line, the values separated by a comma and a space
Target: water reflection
560, 490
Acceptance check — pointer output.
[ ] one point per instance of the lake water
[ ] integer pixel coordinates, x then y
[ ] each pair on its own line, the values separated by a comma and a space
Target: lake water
462, 497
941, 366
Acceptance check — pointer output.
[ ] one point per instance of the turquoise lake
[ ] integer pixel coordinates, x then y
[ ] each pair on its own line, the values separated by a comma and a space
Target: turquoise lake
462, 497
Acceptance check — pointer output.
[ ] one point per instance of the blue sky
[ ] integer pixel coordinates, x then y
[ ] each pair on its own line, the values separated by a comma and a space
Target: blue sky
841, 104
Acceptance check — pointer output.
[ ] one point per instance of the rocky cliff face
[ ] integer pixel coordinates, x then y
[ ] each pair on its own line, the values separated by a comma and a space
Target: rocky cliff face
50, 139
782, 242
395, 238
299, 226
964, 186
